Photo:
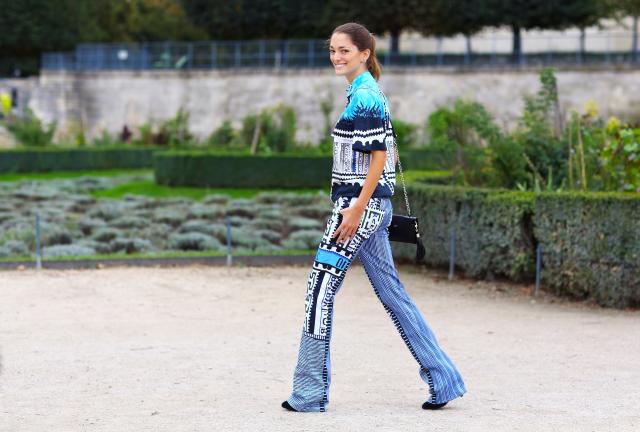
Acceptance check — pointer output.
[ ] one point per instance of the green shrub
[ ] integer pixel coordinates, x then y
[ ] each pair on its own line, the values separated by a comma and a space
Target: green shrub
90, 225
44, 160
267, 223
426, 159
430, 177
591, 245
105, 235
493, 229
67, 250
590, 241
176, 130
225, 137
206, 211
406, 133
540, 133
169, 216
305, 239
620, 157
30, 131
300, 223
216, 230
193, 241
129, 221
508, 165
106, 140
13, 248
463, 133
220, 170
276, 132
244, 237
131, 245
55, 235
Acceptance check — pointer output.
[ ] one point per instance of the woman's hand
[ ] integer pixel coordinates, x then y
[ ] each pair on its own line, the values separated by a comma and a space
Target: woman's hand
350, 222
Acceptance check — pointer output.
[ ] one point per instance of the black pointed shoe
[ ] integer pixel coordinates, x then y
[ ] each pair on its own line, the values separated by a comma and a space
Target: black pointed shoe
286, 405
431, 406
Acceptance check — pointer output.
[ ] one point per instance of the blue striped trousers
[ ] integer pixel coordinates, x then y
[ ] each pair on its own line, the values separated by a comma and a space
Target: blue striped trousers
312, 375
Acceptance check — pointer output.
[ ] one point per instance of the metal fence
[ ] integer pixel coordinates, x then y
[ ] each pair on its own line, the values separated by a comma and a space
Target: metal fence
313, 53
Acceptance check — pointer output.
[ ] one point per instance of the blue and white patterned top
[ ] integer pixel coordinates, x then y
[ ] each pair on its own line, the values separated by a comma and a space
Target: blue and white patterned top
362, 127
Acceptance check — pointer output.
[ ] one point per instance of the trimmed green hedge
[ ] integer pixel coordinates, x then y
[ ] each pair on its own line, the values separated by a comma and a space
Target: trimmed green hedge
44, 160
590, 241
426, 159
230, 170
591, 245
429, 177
493, 229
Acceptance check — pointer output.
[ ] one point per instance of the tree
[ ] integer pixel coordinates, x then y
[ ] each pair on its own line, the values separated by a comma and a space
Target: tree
542, 14
259, 19
31, 27
452, 17
582, 14
391, 16
146, 20
622, 9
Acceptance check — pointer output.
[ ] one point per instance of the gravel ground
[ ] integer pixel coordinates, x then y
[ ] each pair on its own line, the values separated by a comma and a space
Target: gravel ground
213, 349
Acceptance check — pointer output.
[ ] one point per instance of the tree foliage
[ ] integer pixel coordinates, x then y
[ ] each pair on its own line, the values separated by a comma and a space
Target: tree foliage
392, 16
542, 14
256, 19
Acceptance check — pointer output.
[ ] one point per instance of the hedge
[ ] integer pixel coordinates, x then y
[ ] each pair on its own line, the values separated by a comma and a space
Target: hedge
493, 229
590, 241
591, 245
58, 159
426, 159
44, 160
229, 170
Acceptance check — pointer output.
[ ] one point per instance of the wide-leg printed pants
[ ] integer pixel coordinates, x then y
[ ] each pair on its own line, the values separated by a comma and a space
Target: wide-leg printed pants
312, 375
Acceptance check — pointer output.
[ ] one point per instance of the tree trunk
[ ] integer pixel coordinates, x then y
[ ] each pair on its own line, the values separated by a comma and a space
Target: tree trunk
395, 42
583, 37
634, 44
469, 49
517, 44
256, 135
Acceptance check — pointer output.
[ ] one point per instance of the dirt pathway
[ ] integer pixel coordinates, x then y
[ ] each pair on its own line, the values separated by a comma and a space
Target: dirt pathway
213, 349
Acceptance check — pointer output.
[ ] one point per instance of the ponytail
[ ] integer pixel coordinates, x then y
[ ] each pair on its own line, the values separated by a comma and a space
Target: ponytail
374, 66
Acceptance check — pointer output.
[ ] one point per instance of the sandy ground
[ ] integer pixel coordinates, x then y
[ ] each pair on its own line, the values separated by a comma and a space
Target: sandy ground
213, 349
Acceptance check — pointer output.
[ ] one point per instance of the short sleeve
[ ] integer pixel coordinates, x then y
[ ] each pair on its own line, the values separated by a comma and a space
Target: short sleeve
367, 110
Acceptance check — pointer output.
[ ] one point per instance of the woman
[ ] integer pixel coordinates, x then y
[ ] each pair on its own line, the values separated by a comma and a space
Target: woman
362, 183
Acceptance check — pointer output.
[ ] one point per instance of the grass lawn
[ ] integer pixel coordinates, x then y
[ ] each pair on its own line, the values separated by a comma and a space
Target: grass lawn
164, 254
13, 177
145, 187
150, 189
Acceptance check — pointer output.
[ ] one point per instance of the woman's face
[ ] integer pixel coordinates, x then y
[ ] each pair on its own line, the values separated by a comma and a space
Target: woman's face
347, 60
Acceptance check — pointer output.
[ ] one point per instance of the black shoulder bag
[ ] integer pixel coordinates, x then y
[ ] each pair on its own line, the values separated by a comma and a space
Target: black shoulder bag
404, 228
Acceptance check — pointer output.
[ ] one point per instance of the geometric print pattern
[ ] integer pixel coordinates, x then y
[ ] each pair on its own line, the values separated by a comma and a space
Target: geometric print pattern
312, 375
364, 126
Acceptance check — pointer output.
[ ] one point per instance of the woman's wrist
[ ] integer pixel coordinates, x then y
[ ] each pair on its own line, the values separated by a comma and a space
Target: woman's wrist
360, 204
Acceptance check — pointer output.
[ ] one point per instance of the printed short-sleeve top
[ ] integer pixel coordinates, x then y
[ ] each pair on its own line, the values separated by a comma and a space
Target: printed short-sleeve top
364, 126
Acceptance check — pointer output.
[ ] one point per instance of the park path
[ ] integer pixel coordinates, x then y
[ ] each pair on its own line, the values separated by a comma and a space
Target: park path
213, 349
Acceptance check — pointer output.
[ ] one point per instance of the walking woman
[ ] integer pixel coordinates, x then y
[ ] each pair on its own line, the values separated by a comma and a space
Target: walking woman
362, 183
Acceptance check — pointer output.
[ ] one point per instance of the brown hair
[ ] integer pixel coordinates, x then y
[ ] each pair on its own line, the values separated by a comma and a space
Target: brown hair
363, 39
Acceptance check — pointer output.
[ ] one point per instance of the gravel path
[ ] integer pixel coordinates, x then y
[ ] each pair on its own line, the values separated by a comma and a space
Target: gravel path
213, 349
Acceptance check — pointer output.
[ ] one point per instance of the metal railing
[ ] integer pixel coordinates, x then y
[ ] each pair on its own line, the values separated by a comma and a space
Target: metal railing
313, 53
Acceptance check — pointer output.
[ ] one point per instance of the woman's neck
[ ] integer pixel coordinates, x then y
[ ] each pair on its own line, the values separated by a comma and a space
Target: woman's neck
356, 74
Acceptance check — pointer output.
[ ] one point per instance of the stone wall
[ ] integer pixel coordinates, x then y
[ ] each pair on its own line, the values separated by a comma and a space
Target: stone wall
111, 99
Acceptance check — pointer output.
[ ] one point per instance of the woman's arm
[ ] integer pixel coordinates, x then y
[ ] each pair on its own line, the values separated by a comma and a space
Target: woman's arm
351, 216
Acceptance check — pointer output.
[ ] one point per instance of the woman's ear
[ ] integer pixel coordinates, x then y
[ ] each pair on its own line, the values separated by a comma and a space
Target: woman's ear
365, 55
